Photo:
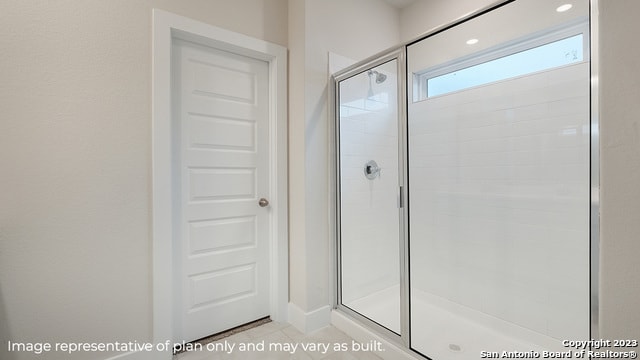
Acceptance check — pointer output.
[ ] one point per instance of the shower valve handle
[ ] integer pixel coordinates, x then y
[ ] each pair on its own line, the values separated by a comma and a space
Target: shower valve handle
371, 170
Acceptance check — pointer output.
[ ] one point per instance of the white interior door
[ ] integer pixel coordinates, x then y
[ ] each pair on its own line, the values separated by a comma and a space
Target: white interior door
221, 165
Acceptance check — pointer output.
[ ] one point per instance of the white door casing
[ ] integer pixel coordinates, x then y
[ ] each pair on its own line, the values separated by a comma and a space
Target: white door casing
170, 29
221, 242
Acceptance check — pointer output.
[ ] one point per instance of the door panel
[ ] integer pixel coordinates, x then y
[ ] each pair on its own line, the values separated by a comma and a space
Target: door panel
222, 158
370, 178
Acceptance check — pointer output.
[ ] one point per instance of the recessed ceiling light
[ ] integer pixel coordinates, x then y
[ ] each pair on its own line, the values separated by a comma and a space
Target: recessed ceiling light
472, 41
563, 8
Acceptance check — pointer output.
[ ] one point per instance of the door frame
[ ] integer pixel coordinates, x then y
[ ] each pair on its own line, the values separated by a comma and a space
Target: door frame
166, 28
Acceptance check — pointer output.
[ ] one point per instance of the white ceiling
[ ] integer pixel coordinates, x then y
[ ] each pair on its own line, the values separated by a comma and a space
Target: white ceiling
400, 3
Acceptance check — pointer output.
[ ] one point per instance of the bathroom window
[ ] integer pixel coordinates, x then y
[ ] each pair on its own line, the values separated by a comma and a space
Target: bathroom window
542, 52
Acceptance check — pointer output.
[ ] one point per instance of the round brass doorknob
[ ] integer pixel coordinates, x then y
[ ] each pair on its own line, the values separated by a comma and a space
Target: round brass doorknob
263, 202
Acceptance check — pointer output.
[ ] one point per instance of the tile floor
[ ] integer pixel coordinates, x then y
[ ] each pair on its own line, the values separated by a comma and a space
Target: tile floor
327, 342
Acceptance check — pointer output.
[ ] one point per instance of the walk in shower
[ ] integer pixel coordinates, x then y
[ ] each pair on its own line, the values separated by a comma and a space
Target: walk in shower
467, 184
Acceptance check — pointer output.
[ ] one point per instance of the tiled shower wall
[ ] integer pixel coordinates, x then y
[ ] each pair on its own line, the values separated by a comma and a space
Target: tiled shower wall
499, 200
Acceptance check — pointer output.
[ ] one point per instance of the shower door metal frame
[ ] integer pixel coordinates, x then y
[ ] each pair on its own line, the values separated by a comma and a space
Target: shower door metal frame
594, 152
398, 54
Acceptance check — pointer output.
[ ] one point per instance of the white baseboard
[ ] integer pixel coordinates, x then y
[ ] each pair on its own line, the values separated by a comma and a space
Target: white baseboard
308, 322
361, 334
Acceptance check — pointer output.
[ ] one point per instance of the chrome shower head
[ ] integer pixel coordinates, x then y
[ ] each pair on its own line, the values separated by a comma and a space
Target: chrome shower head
380, 78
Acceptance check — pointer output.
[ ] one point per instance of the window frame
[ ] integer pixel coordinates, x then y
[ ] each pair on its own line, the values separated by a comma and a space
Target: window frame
548, 36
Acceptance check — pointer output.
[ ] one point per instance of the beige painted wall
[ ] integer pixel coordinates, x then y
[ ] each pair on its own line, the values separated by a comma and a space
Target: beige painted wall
620, 170
75, 139
355, 29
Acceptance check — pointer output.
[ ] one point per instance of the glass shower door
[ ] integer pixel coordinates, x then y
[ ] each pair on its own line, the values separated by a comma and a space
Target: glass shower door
498, 142
369, 177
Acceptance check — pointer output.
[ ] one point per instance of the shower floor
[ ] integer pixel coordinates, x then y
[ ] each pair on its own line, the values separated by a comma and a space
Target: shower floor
382, 307
442, 329
445, 330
